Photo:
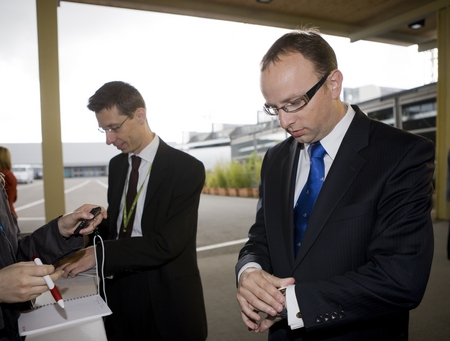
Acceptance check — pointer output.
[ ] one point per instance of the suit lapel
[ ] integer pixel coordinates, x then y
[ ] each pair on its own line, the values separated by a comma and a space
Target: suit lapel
120, 170
159, 166
289, 167
343, 171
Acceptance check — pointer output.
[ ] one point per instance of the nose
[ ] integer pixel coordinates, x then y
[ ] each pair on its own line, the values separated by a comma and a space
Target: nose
286, 118
110, 137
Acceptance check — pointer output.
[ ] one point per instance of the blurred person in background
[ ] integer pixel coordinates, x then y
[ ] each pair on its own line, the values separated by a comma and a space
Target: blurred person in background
10, 179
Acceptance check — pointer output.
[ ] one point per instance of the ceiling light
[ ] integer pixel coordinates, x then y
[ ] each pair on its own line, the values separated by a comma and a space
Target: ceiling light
417, 24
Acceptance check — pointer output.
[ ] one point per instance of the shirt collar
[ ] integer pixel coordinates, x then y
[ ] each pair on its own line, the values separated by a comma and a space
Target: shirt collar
333, 140
148, 153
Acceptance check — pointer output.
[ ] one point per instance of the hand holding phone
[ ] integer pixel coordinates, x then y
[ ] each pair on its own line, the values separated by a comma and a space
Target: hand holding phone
84, 223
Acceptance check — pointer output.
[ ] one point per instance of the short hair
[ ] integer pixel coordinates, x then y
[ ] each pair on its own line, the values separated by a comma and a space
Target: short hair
5, 158
307, 42
121, 95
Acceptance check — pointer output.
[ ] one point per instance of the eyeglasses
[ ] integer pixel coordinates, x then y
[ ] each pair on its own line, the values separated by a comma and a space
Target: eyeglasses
298, 103
112, 129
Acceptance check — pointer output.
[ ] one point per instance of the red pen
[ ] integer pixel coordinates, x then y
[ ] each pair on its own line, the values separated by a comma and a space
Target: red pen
53, 289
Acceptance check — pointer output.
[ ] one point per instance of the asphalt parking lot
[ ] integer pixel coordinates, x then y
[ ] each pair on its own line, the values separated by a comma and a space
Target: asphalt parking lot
222, 230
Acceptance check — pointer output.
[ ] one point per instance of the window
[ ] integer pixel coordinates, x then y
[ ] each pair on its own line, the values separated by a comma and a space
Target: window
383, 115
419, 116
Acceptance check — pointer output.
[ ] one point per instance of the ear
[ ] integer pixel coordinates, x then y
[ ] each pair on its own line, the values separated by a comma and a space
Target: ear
335, 83
141, 115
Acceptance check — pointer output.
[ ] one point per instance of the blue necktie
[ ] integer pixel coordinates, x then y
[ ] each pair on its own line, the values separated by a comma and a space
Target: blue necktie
308, 196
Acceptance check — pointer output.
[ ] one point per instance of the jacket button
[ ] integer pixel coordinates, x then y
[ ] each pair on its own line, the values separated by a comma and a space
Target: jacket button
334, 315
319, 319
341, 314
326, 317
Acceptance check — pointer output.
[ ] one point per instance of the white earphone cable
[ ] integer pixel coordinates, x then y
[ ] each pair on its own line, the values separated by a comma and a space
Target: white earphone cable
102, 268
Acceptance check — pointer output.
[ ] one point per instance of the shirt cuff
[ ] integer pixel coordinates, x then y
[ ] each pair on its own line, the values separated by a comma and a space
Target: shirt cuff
246, 266
294, 316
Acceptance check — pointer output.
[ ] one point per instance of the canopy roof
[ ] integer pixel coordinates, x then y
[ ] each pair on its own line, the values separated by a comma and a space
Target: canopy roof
376, 20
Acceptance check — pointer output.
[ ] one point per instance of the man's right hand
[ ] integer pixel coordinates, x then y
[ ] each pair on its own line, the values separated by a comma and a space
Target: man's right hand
258, 292
24, 281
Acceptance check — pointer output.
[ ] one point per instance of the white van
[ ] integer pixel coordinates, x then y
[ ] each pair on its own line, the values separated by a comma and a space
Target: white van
23, 173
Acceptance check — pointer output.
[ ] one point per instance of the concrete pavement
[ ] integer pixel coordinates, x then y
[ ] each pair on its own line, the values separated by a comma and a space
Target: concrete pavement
227, 220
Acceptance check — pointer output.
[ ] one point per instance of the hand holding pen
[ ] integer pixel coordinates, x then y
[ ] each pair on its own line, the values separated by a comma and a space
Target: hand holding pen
51, 286
21, 282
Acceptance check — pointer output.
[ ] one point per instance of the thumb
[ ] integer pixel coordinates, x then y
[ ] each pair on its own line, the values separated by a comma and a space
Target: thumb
57, 274
279, 282
284, 282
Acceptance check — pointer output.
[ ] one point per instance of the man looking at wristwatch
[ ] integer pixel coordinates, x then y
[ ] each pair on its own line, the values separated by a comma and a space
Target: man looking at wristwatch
343, 219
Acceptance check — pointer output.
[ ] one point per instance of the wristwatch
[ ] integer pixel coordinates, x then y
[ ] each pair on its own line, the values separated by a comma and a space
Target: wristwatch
283, 313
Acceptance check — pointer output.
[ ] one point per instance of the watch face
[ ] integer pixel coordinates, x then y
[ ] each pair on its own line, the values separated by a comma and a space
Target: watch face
283, 313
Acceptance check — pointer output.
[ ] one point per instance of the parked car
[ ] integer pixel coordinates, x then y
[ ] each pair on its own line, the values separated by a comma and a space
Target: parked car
38, 173
23, 173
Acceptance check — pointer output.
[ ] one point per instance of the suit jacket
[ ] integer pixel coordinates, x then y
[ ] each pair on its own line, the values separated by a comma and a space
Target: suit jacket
167, 249
366, 254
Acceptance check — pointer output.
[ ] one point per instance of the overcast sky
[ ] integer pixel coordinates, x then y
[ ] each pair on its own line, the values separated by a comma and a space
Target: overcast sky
192, 72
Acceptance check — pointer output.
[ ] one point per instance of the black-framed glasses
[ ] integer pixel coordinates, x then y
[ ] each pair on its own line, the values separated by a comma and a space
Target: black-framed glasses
112, 129
298, 103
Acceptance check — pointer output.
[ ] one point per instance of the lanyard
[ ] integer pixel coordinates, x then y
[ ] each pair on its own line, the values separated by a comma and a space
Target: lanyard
127, 215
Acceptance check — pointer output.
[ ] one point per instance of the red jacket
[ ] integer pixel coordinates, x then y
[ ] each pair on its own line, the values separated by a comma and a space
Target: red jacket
11, 188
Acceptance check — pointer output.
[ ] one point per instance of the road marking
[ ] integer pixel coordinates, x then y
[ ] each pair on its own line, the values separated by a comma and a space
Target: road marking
199, 249
40, 201
31, 204
101, 183
216, 246
77, 187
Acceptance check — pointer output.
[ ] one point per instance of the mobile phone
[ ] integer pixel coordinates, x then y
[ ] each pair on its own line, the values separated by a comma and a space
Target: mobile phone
95, 211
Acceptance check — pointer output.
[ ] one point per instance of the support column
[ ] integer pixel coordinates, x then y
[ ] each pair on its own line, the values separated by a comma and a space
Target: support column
443, 112
52, 161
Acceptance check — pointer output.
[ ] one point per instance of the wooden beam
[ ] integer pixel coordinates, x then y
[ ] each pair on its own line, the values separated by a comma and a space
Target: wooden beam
443, 114
52, 161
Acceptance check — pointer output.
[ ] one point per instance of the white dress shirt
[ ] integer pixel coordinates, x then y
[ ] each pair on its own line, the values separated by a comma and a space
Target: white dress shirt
331, 144
147, 156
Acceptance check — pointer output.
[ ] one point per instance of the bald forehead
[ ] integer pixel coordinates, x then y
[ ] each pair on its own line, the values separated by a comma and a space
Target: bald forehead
289, 65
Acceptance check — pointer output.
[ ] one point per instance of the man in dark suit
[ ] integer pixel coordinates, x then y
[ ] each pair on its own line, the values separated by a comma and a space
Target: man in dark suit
365, 256
153, 287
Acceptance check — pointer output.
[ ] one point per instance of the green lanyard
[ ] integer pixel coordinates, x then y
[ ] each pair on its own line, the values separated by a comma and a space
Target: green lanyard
127, 215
